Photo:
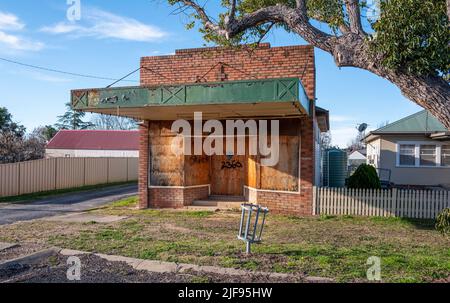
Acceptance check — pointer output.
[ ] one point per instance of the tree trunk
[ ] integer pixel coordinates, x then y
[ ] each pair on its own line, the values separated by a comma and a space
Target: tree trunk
430, 92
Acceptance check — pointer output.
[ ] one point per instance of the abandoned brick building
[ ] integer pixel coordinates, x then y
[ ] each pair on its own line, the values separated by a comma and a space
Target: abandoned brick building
264, 83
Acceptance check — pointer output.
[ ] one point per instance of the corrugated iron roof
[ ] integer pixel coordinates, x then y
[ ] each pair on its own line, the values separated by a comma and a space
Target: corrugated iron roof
95, 140
421, 122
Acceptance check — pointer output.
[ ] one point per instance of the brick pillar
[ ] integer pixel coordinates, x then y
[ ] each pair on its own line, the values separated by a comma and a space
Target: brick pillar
143, 164
307, 165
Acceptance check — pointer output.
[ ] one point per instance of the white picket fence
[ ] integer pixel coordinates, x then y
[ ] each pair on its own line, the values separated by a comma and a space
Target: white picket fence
420, 204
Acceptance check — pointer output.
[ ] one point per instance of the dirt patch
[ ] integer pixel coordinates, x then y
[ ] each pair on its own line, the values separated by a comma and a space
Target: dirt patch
98, 270
174, 227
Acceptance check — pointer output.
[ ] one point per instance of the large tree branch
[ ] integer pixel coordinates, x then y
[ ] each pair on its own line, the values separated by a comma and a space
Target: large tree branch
232, 14
294, 18
354, 16
207, 22
301, 6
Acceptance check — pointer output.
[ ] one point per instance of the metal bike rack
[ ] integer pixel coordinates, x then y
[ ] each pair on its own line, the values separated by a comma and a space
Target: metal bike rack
251, 227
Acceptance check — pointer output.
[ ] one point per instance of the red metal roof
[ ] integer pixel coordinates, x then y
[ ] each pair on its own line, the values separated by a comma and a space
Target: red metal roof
95, 140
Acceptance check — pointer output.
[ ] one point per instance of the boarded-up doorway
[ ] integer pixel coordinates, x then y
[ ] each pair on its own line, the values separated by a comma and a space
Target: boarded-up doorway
228, 174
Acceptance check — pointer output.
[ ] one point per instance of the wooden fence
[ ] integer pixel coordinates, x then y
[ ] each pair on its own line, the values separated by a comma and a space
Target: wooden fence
421, 204
60, 173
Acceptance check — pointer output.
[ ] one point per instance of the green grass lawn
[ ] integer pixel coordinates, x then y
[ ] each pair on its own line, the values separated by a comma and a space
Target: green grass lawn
335, 247
48, 194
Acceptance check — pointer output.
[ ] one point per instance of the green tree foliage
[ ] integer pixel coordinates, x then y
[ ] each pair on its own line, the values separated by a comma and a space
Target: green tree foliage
364, 177
413, 35
7, 125
72, 119
410, 35
48, 132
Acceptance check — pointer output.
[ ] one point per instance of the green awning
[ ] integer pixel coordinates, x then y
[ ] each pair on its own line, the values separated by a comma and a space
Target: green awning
249, 98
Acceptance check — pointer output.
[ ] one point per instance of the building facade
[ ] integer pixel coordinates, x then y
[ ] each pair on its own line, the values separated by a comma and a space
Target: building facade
93, 144
413, 151
252, 85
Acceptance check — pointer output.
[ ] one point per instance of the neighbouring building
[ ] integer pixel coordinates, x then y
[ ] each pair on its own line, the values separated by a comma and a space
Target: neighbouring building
93, 144
249, 84
355, 158
414, 151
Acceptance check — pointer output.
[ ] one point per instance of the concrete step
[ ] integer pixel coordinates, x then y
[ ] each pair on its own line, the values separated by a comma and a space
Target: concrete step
227, 198
203, 208
218, 204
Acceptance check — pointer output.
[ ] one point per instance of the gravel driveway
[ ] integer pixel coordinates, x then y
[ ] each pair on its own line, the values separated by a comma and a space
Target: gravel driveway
64, 204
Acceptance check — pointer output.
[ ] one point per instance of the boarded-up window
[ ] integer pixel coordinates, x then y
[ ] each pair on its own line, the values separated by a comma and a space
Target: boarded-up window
445, 155
428, 155
407, 155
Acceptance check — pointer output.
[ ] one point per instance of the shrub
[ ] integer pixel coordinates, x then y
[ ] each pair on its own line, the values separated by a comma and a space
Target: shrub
365, 176
443, 222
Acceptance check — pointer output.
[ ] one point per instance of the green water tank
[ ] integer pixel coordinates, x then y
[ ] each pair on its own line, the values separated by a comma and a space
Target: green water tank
334, 168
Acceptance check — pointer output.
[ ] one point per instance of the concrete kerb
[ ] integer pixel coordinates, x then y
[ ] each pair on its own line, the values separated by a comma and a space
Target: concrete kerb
5, 245
30, 259
152, 266
171, 267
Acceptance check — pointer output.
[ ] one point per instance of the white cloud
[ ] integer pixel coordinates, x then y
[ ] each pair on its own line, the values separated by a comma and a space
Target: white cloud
10, 22
19, 43
337, 118
102, 24
8, 41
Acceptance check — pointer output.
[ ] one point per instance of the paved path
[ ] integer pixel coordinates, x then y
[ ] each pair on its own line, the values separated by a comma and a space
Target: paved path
64, 204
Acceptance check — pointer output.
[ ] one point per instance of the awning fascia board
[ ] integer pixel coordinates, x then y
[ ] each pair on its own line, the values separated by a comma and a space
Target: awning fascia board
245, 92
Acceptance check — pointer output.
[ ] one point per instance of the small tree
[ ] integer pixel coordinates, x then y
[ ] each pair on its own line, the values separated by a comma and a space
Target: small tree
365, 176
7, 125
47, 132
72, 119
15, 144
443, 222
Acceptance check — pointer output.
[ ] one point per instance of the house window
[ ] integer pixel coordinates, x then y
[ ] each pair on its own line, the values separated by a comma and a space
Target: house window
428, 155
445, 155
407, 155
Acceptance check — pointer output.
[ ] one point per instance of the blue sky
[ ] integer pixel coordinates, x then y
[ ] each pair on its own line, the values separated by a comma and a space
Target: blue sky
111, 37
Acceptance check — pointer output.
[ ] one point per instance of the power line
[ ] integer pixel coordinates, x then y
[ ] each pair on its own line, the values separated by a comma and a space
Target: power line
123, 78
64, 72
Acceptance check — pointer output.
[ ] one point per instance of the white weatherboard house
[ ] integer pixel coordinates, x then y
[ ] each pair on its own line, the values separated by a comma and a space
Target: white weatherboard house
93, 144
416, 150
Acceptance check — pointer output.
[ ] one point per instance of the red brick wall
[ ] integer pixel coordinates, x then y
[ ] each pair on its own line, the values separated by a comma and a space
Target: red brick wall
143, 165
195, 193
166, 197
228, 64
265, 62
176, 197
